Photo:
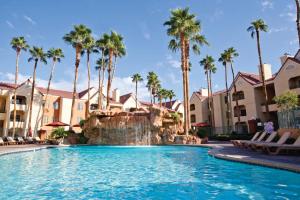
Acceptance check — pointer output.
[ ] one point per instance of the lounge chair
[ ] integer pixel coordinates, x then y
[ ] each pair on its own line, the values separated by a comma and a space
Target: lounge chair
238, 142
29, 140
20, 140
257, 145
10, 140
275, 149
246, 143
2, 143
38, 140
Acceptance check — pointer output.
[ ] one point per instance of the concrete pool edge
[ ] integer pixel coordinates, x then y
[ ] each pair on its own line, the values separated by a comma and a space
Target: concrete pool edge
215, 150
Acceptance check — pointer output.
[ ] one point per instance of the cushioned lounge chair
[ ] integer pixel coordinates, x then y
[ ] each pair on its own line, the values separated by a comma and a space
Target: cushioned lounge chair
2, 143
275, 149
238, 142
38, 140
248, 142
258, 145
29, 140
20, 140
10, 140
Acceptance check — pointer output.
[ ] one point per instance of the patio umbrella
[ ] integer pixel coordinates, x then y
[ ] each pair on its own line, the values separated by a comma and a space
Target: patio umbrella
200, 124
57, 124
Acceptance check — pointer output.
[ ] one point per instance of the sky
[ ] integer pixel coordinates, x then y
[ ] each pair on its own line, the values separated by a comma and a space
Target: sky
223, 22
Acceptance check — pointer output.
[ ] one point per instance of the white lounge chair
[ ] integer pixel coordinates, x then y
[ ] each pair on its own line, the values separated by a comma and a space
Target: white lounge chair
248, 142
239, 142
20, 140
2, 143
258, 145
275, 149
10, 140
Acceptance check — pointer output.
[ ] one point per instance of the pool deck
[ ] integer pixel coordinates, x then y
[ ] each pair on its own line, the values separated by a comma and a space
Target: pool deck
220, 150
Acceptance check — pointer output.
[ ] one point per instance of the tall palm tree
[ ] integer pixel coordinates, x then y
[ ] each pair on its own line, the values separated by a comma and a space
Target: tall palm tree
136, 78
115, 47
230, 54
152, 85
254, 29
171, 95
36, 55
161, 94
76, 38
101, 67
184, 29
298, 19
209, 67
18, 44
224, 59
56, 55
89, 47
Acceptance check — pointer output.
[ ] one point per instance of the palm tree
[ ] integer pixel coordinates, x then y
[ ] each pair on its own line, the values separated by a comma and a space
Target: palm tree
135, 79
37, 54
56, 55
115, 47
223, 59
161, 94
89, 47
76, 38
101, 67
230, 54
209, 67
152, 85
171, 95
254, 29
18, 44
298, 19
184, 29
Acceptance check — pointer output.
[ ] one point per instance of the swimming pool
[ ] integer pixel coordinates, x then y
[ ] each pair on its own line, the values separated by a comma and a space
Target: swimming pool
167, 172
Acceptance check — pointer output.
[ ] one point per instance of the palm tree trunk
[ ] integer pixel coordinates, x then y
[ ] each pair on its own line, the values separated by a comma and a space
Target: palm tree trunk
136, 95
298, 19
212, 100
209, 103
89, 82
109, 80
236, 99
187, 68
100, 100
15, 92
77, 62
31, 97
182, 47
113, 69
99, 85
227, 97
262, 74
48, 88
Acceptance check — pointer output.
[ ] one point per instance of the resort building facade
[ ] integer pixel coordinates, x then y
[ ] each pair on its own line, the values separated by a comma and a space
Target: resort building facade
248, 103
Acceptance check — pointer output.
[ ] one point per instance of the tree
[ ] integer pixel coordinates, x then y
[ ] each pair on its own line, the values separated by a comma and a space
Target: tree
171, 95
161, 94
56, 55
136, 78
184, 29
153, 85
209, 67
89, 47
114, 47
18, 44
101, 67
59, 133
254, 29
76, 38
298, 19
37, 54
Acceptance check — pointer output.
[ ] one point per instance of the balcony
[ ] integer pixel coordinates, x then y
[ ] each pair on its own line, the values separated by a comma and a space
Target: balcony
19, 124
272, 107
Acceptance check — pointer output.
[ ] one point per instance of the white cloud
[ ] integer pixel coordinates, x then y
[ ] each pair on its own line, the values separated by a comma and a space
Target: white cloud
10, 24
173, 62
175, 80
216, 15
29, 19
289, 13
145, 31
295, 41
276, 30
267, 4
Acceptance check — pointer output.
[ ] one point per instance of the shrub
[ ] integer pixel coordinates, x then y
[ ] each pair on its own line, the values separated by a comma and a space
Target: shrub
59, 133
202, 133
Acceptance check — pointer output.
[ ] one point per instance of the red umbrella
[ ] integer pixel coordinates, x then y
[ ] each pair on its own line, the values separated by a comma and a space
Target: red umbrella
200, 124
57, 124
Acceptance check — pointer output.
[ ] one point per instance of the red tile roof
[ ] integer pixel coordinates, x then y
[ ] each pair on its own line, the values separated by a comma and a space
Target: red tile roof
250, 78
169, 104
7, 86
125, 97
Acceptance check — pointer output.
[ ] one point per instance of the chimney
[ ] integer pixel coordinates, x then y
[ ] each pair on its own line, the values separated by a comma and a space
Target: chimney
284, 57
116, 95
204, 92
267, 71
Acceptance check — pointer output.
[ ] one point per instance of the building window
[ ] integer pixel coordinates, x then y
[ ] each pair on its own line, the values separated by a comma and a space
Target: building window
80, 106
193, 118
238, 96
240, 109
192, 107
18, 118
20, 100
294, 82
93, 106
55, 105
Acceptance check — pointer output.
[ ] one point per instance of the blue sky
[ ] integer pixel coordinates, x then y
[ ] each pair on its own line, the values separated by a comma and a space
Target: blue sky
224, 24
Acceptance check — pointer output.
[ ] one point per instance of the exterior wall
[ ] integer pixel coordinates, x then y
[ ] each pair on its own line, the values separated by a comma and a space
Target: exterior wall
220, 108
130, 103
201, 109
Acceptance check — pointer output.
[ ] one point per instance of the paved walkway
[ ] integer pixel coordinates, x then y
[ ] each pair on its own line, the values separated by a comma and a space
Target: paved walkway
221, 150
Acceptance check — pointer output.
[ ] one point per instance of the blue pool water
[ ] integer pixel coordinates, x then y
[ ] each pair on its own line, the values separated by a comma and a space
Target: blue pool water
95, 172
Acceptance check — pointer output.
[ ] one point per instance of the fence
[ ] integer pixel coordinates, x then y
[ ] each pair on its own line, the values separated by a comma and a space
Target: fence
289, 118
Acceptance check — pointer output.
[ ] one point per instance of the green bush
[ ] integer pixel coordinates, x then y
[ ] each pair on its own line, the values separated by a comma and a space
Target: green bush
59, 133
202, 133
82, 139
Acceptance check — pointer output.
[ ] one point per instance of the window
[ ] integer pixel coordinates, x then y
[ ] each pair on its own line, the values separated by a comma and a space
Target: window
238, 96
18, 117
55, 105
192, 107
93, 106
240, 109
193, 118
294, 82
20, 100
80, 106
